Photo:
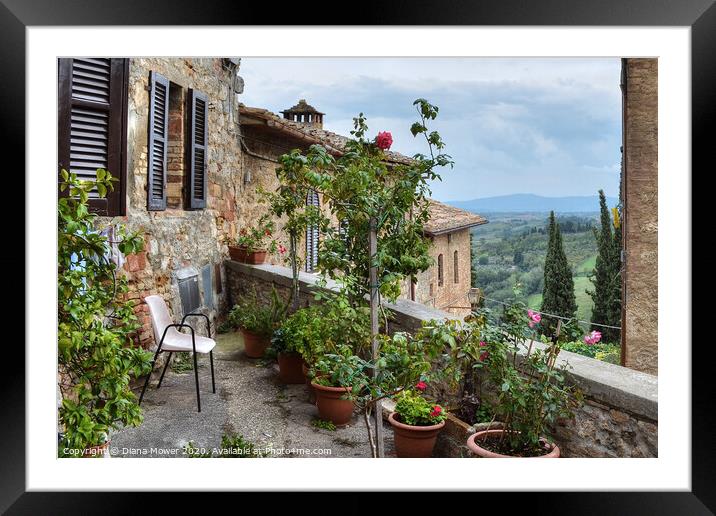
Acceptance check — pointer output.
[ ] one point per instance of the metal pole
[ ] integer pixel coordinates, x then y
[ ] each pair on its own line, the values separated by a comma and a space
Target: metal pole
373, 279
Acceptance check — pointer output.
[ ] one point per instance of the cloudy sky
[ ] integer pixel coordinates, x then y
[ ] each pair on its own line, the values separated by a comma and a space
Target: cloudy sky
512, 125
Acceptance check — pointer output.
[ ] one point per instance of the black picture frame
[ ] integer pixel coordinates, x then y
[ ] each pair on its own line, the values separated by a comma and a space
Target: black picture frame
700, 15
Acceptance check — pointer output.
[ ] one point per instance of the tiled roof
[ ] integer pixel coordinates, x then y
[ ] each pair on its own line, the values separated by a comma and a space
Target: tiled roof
334, 143
447, 219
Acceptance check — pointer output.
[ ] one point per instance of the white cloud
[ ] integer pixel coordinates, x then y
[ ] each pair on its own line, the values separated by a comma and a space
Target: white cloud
550, 126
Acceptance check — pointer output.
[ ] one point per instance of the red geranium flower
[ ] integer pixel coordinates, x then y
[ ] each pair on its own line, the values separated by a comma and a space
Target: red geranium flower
437, 410
384, 140
421, 385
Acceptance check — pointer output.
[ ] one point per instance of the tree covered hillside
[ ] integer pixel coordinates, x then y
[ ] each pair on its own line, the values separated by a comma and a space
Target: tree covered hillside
512, 248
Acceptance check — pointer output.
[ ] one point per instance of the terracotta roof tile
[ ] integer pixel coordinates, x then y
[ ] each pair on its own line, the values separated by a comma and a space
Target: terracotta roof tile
446, 219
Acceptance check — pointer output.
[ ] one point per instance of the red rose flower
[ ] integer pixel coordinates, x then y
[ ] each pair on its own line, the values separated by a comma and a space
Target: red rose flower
421, 385
437, 410
384, 140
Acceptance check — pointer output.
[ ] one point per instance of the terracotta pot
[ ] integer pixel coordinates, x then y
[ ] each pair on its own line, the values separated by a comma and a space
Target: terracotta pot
330, 405
414, 441
254, 345
242, 254
492, 434
96, 452
289, 368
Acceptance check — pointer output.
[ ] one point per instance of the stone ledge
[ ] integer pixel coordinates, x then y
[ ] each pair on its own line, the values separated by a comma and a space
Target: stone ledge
616, 386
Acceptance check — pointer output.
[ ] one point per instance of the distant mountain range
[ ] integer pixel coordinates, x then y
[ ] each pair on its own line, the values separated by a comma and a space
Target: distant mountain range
522, 203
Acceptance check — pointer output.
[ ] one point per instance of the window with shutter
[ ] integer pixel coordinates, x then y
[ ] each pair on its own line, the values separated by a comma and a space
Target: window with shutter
198, 110
440, 270
157, 144
92, 113
312, 236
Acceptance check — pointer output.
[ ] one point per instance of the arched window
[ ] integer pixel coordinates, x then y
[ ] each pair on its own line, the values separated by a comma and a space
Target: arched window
312, 236
440, 270
456, 270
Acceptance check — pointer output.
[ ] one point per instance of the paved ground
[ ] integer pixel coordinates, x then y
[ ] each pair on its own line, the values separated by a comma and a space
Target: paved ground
249, 401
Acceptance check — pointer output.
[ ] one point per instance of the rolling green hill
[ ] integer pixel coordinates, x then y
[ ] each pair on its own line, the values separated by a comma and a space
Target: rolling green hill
512, 248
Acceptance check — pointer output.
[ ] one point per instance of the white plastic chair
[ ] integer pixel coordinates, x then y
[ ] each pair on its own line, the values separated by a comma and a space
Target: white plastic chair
171, 340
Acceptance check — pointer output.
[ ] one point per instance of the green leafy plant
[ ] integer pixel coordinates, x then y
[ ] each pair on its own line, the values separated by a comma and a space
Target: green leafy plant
260, 236
96, 359
530, 384
323, 327
323, 424
252, 315
605, 351
181, 362
413, 409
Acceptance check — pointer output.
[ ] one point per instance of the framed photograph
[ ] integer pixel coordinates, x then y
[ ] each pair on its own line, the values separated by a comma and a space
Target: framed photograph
452, 233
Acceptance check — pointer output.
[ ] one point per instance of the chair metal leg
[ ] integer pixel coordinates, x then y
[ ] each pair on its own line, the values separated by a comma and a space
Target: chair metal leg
196, 377
169, 359
213, 384
146, 382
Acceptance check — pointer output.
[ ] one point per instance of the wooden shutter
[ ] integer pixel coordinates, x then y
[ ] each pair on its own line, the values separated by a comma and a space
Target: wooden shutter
157, 145
312, 236
440, 270
198, 110
92, 114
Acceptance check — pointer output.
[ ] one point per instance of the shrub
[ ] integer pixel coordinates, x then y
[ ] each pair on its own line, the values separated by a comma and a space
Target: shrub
96, 358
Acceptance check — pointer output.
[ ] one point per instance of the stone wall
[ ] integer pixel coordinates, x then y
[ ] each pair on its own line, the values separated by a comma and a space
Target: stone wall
640, 220
618, 419
177, 239
451, 295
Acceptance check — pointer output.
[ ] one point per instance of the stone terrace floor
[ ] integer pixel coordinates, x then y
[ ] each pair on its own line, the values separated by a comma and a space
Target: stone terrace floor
249, 401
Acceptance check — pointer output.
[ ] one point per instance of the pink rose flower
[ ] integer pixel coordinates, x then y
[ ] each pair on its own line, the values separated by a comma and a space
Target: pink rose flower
593, 338
384, 140
535, 318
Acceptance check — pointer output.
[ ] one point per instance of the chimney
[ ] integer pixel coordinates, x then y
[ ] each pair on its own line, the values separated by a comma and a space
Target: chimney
305, 114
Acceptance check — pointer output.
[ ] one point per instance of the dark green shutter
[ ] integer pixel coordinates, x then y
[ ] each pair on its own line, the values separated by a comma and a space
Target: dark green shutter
92, 124
157, 145
196, 149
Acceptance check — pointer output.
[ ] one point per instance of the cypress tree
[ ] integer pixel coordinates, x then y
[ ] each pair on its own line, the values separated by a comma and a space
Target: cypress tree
558, 292
607, 277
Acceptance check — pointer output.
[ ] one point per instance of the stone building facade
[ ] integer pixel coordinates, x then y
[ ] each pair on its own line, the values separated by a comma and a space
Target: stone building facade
446, 284
183, 244
640, 214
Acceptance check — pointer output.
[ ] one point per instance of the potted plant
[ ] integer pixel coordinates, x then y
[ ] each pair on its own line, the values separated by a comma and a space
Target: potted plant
416, 423
528, 383
256, 242
257, 321
96, 358
338, 379
290, 361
